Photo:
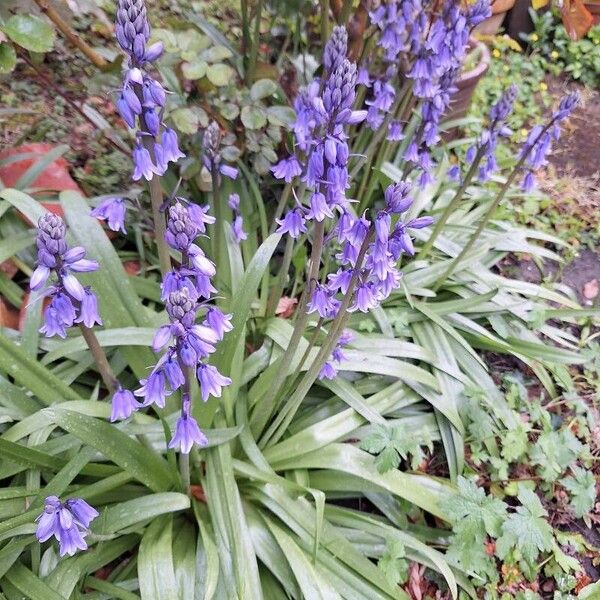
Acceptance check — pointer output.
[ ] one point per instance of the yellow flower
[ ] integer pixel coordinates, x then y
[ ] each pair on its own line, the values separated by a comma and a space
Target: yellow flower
535, 37
506, 69
554, 54
496, 53
543, 86
523, 132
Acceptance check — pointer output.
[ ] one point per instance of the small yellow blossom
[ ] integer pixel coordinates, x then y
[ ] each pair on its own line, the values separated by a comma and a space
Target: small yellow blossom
506, 68
496, 53
535, 37
554, 54
543, 86
523, 132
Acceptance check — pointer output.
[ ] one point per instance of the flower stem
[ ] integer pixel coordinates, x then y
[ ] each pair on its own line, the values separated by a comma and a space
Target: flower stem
284, 418
104, 368
265, 408
255, 44
491, 210
277, 290
451, 207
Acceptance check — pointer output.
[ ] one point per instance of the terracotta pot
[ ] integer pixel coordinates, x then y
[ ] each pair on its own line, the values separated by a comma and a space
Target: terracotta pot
465, 84
594, 8
491, 26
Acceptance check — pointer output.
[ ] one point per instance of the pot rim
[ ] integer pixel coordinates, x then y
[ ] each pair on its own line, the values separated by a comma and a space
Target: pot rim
480, 68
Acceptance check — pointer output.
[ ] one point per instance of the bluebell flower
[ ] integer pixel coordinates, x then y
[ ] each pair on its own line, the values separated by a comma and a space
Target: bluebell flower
123, 404
287, 169
211, 381
187, 433
69, 302
323, 302
112, 210
67, 522
293, 223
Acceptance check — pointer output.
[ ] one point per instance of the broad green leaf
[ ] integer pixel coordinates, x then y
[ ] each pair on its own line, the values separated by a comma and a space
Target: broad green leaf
124, 515
31, 586
189, 121
220, 74
263, 88
254, 117
30, 32
143, 464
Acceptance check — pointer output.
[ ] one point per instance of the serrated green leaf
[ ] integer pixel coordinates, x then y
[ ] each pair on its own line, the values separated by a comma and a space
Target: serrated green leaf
527, 530
582, 488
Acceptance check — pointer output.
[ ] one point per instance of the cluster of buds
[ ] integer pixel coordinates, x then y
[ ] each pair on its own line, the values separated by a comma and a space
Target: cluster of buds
540, 138
142, 98
212, 157
70, 302
187, 291
488, 139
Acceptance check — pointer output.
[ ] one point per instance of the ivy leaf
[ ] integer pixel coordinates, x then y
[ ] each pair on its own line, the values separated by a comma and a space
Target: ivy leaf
393, 563
281, 115
263, 88
527, 529
253, 117
195, 69
582, 487
30, 32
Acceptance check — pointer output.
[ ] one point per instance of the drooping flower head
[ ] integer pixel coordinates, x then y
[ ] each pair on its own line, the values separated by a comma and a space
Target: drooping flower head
539, 141
112, 210
212, 157
142, 98
67, 521
70, 302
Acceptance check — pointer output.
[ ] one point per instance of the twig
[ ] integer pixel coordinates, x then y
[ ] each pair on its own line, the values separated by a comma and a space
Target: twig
72, 35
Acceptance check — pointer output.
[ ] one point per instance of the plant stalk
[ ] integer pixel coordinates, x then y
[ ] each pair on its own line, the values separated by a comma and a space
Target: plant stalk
251, 71
71, 35
264, 409
104, 368
281, 423
490, 211
451, 207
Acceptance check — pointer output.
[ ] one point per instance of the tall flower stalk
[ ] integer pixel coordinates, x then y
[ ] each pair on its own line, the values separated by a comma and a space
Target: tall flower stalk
141, 103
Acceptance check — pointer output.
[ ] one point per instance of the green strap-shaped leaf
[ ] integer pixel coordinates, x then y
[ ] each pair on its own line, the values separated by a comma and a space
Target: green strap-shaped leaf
143, 464
156, 572
32, 375
31, 586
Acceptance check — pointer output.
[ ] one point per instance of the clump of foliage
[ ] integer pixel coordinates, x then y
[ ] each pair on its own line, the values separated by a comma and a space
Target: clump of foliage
535, 459
266, 406
579, 59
